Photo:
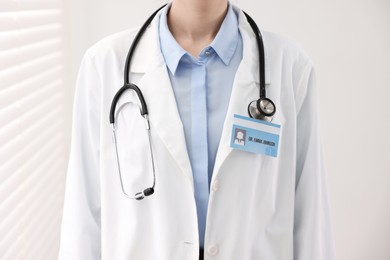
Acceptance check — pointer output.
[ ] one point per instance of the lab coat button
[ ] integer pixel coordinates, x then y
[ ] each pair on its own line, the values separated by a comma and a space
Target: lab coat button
215, 186
212, 250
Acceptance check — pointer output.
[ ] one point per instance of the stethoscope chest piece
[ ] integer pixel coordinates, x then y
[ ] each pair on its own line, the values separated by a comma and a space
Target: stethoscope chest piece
262, 109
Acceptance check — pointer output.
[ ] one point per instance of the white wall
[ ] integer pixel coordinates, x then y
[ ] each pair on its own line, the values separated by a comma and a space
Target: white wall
32, 145
349, 42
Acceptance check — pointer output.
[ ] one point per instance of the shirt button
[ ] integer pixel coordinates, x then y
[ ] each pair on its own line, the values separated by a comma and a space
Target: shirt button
207, 53
212, 250
215, 185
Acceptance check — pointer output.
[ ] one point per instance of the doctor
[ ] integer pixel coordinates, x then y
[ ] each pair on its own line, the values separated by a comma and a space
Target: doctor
197, 66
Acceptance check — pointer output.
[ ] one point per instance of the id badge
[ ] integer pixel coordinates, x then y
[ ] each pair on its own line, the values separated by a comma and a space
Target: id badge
255, 136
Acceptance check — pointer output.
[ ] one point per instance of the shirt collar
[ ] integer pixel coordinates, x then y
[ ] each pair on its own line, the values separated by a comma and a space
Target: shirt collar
224, 43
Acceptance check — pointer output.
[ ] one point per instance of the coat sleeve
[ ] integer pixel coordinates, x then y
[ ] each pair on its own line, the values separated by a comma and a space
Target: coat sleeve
313, 237
80, 231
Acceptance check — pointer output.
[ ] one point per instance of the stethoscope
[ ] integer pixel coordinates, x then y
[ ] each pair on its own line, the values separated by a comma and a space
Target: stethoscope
261, 109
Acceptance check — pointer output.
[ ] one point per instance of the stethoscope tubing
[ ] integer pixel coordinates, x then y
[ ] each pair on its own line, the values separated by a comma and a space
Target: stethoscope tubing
128, 86
258, 110
135, 43
259, 40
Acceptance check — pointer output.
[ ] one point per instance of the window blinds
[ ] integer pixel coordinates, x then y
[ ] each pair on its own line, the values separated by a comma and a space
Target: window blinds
32, 143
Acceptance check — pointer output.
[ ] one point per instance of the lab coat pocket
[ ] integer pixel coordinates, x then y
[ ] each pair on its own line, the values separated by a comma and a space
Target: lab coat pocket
133, 146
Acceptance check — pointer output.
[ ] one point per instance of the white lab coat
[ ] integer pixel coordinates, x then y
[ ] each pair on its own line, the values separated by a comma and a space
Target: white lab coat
260, 208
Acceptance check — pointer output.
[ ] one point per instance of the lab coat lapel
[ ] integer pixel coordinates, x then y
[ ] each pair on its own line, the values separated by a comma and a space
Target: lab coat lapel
158, 93
160, 99
245, 89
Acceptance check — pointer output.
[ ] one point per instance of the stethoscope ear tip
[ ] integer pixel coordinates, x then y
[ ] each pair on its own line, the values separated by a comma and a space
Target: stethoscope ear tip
139, 196
145, 193
148, 191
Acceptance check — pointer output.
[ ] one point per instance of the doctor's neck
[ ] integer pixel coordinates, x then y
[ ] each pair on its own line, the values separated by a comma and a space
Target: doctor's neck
195, 23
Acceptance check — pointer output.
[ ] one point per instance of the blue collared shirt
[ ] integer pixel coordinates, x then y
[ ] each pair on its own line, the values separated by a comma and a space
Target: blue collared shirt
202, 88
